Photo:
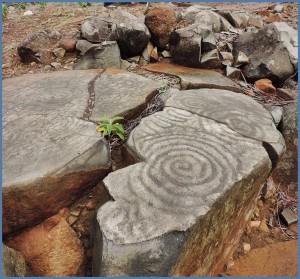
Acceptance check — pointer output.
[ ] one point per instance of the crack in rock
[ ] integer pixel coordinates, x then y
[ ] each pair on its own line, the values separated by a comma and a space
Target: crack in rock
91, 99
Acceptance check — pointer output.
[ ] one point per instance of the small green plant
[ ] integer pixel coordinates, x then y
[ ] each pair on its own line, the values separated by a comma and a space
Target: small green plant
4, 11
42, 5
84, 4
108, 128
22, 6
163, 88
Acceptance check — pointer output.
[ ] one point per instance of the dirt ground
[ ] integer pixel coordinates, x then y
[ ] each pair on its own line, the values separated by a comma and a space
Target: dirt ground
273, 251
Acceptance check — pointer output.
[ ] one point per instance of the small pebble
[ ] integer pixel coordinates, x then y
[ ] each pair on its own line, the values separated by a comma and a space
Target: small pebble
75, 213
264, 227
278, 8
28, 13
59, 52
246, 247
6, 66
289, 233
229, 265
260, 203
255, 224
71, 220
32, 63
256, 212
269, 240
55, 65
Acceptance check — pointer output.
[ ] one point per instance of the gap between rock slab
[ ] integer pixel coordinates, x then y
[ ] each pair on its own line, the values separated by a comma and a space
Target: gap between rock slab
91, 99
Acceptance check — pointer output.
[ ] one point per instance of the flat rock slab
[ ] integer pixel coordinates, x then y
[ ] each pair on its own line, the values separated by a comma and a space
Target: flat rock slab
49, 138
193, 168
192, 78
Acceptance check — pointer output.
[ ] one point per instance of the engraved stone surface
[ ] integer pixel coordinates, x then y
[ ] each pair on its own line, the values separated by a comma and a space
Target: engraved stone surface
190, 159
50, 144
195, 78
246, 116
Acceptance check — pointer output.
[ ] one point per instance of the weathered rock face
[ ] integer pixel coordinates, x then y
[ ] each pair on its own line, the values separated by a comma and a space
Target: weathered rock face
51, 150
185, 46
235, 19
131, 34
286, 173
193, 46
13, 263
96, 30
195, 78
161, 22
83, 46
289, 37
167, 207
269, 56
106, 55
208, 18
37, 47
51, 248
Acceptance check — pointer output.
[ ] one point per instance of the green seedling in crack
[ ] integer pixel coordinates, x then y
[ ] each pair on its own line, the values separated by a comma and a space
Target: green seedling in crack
108, 128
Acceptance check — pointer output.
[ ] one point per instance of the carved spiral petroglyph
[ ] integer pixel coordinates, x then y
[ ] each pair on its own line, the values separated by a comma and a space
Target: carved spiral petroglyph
247, 117
187, 161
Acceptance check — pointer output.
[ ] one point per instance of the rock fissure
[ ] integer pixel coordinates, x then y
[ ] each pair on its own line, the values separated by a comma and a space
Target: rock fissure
91, 98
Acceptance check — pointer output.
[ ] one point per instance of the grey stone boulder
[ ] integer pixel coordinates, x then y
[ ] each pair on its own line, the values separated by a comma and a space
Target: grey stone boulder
51, 150
13, 263
255, 21
285, 175
195, 165
211, 60
37, 47
96, 29
232, 72
276, 113
190, 13
227, 58
187, 45
212, 20
208, 18
268, 54
106, 55
235, 19
131, 34
83, 46
289, 37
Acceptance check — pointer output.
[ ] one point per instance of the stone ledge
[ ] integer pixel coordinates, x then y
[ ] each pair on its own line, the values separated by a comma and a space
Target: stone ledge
51, 150
194, 167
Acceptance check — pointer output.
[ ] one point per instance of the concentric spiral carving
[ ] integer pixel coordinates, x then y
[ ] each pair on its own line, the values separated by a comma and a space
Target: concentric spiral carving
187, 162
245, 116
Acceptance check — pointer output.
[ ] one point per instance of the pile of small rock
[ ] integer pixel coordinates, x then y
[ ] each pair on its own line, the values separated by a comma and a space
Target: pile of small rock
197, 36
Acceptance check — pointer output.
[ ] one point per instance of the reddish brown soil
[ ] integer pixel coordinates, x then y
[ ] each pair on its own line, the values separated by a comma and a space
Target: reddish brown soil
277, 259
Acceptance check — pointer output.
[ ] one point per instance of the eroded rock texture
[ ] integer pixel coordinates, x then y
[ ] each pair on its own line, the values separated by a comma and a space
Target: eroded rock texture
200, 166
51, 150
